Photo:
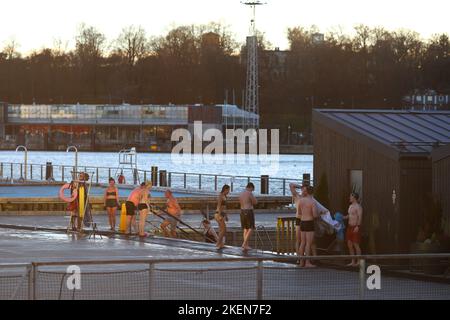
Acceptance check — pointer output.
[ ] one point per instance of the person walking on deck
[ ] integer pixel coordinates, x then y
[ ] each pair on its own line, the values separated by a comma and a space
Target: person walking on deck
247, 201
221, 216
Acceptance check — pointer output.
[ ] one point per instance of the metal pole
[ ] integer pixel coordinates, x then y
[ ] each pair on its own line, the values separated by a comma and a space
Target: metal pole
42, 172
11, 171
151, 271
31, 172
24, 161
284, 187
184, 180
200, 181
34, 280
97, 174
30, 281
76, 156
62, 174
362, 278
170, 179
215, 183
259, 280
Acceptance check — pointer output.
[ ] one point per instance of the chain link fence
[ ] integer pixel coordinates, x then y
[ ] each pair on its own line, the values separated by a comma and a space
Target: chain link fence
377, 277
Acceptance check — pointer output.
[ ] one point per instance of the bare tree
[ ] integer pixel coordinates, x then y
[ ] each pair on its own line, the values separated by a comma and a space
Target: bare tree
132, 44
11, 49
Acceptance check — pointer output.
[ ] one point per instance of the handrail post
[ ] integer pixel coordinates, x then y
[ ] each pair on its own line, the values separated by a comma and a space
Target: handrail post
151, 271
97, 174
184, 180
170, 179
362, 278
62, 174
284, 187
34, 267
200, 181
42, 172
259, 280
215, 182
12, 172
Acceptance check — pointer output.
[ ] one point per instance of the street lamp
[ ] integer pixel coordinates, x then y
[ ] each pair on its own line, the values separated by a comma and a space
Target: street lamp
25, 159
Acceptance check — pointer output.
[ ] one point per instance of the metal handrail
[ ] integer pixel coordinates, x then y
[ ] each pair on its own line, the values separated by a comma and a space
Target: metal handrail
142, 260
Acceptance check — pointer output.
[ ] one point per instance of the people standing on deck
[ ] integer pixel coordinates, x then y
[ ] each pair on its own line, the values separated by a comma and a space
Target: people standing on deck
353, 234
144, 207
247, 201
111, 202
121, 178
221, 216
174, 214
131, 206
298, 215
308, 211
73, 206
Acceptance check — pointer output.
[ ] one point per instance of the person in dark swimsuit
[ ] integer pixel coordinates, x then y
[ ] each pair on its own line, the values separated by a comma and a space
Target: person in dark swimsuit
221, 216
111, 202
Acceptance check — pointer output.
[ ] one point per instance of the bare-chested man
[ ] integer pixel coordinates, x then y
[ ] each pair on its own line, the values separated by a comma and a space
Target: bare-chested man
247, 201
132, 205
174, 210
353, 234
306, 212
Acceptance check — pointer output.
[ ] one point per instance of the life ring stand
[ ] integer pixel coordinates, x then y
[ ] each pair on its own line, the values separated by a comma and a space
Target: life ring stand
67, 186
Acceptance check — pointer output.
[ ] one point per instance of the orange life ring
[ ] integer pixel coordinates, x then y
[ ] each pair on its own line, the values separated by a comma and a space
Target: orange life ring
63, 197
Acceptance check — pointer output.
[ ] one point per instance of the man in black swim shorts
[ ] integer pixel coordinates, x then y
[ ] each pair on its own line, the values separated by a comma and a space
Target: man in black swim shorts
247, 201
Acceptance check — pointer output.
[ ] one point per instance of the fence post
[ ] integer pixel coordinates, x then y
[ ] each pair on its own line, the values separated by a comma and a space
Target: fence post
97, 174
184, 180
31, 172
34, 280
11, 171
30, 281
362, 278
259, 280
109, 173
200, 182
151, 270
215, 183
170, 179
284, 187
62, 175
264, 184
42, 172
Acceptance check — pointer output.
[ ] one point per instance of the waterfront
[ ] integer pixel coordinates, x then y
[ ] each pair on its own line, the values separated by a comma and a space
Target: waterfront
289, 166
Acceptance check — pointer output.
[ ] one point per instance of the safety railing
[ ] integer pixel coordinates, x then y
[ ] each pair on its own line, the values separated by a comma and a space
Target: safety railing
286, 235
374, 277
14, 172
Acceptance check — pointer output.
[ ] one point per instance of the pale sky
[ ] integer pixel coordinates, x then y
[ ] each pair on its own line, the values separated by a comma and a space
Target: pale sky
37, 23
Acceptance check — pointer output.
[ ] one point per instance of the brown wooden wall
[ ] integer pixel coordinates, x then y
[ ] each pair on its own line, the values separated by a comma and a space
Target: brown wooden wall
336, 155
441, 188
415, 187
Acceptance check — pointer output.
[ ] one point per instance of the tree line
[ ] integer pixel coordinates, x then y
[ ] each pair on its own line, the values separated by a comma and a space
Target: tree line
374, 68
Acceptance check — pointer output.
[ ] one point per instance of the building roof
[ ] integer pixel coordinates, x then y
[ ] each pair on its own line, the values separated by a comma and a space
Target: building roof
394, 132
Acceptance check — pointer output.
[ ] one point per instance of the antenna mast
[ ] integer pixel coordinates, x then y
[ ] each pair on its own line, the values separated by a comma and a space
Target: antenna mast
252, 88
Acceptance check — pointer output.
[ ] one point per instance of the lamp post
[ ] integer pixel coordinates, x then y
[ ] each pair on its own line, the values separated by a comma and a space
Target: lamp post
25, 159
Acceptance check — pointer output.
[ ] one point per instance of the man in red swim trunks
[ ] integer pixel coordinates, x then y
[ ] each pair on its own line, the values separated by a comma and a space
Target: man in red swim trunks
353, 234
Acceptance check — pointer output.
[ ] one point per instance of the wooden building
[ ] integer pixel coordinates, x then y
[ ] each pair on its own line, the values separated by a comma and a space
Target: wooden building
385, 156
441, 182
